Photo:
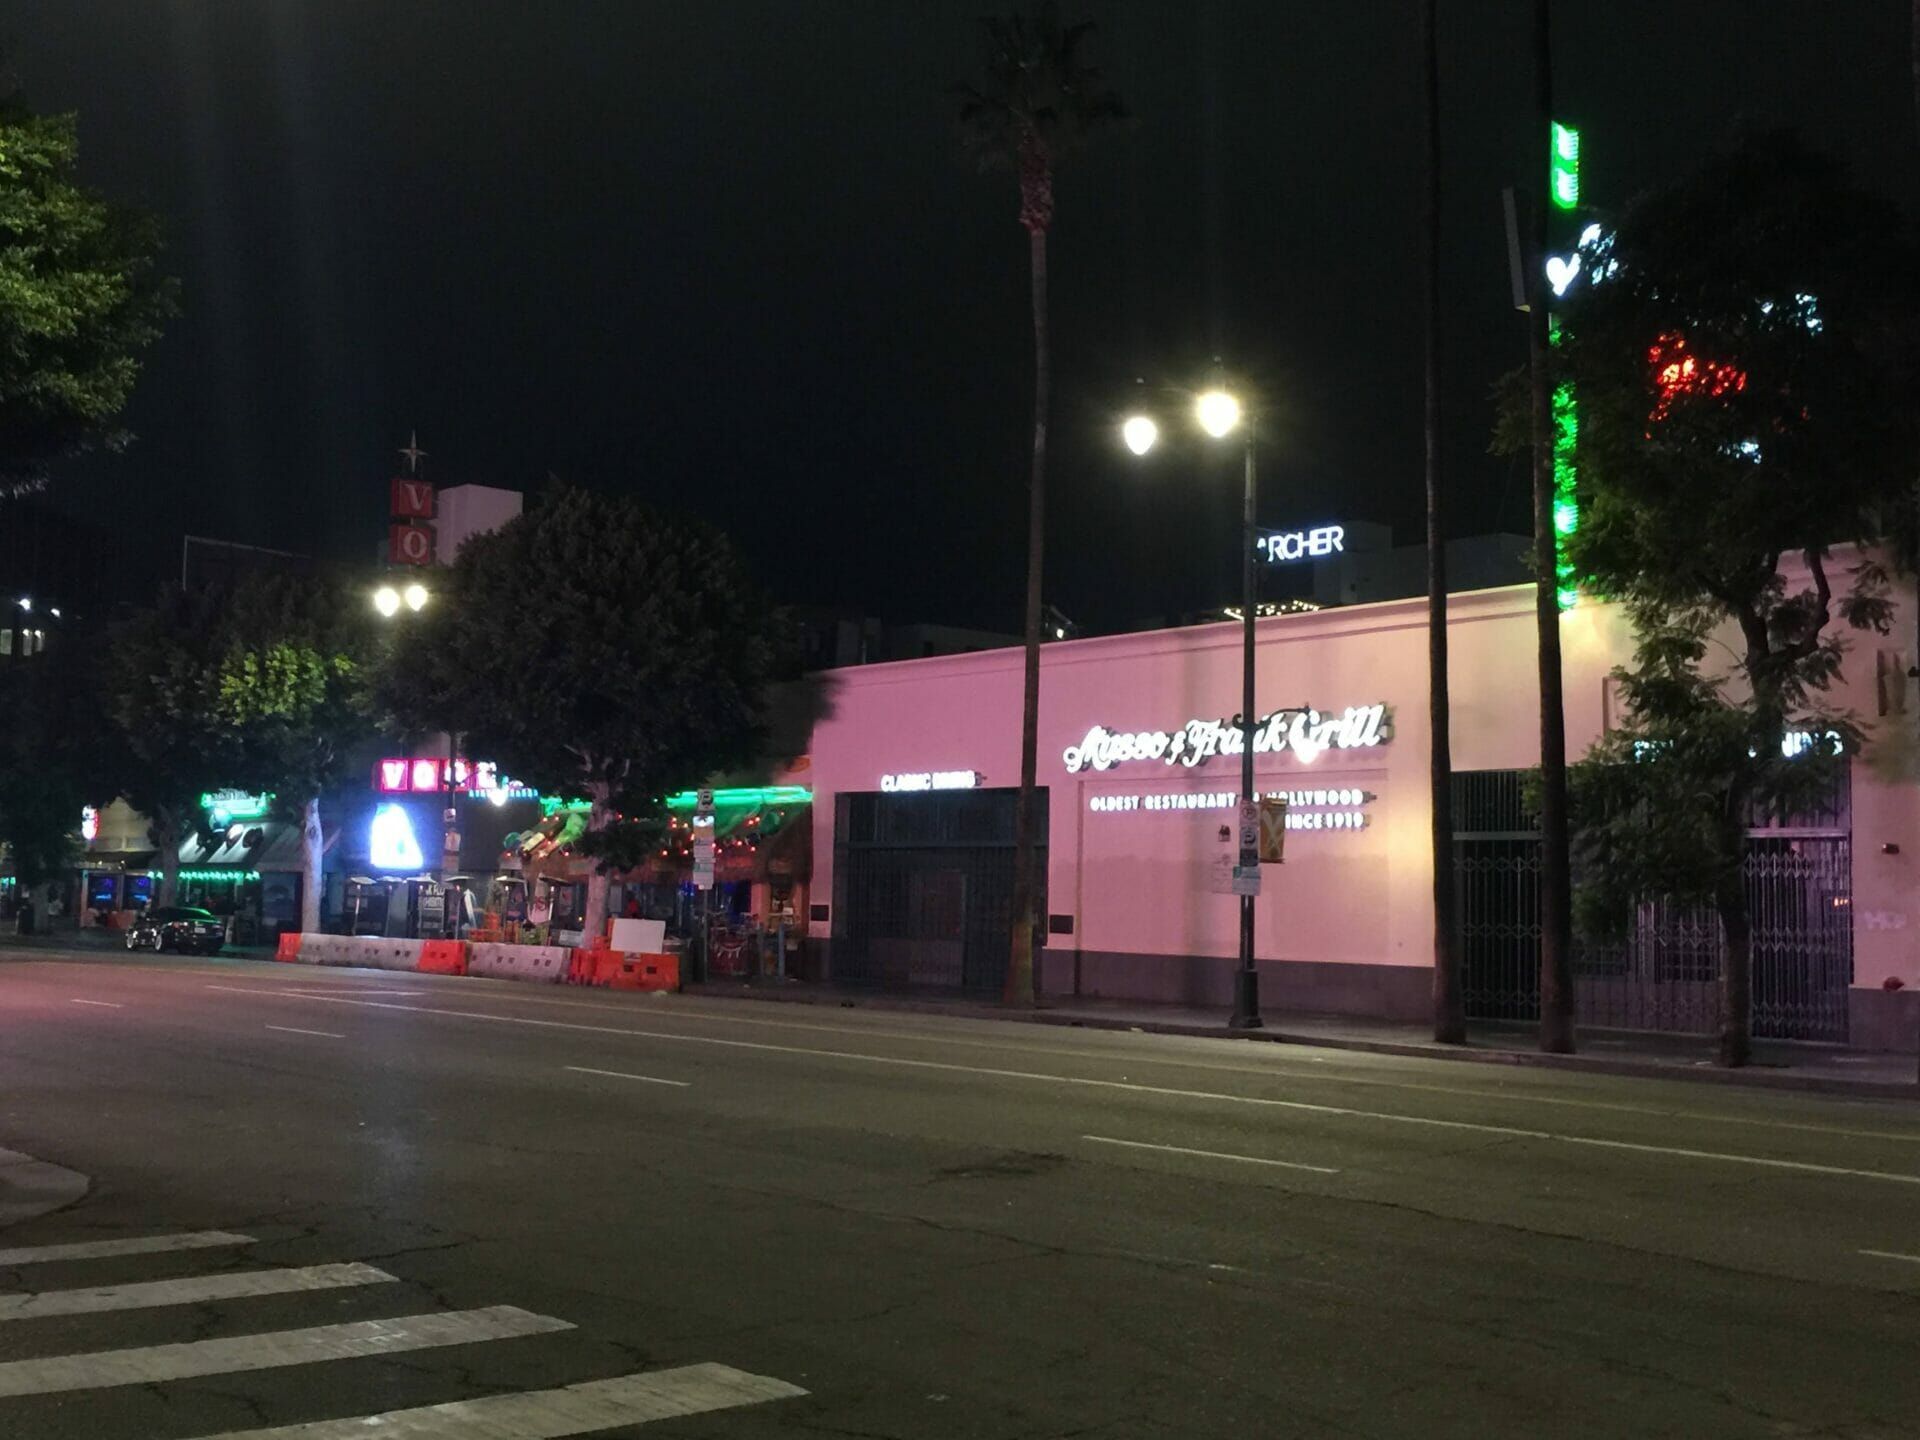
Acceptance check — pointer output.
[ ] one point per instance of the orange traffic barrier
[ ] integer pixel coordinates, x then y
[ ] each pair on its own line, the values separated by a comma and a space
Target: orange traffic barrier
289, 947
643, 972
442, 957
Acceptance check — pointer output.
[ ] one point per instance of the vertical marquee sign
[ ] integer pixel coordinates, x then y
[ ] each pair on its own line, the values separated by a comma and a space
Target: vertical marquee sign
410, 531
1563, 189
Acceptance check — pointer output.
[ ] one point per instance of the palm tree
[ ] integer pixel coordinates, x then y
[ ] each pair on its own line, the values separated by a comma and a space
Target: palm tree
1449, 1010
1556, 883
1037, 99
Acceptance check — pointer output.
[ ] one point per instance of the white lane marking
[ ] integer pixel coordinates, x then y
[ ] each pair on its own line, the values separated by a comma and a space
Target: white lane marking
188, 1290
296, 1030
342, 990
108, 1249
100, 1369
1210, 1154
624, 1075
1892, 1255
947, 1066
550, 1414
103, 1004
1345, 1059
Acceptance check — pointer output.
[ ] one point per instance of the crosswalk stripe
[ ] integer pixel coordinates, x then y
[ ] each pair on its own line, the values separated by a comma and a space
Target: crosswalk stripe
101, 1369
550, 1414
187, 1290
107, 1249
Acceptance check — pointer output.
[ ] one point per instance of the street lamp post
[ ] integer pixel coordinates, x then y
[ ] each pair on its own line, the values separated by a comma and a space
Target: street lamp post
1219, 414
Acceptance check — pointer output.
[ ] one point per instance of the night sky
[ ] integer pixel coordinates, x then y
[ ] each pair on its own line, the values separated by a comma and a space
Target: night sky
727, 256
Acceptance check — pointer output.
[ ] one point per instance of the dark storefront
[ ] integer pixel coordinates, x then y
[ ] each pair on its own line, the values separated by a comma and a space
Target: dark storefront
923, 888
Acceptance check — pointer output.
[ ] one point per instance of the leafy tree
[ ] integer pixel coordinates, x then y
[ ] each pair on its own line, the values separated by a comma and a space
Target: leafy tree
292, 683
1038, 99
163, 696
81, 296
54, 760
595, 648
1741, 352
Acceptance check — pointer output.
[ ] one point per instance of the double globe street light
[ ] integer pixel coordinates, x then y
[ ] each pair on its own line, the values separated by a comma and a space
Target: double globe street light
1219, 413
387, 600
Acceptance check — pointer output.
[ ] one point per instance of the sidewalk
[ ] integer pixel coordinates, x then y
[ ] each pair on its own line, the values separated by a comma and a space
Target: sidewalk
1782, 1065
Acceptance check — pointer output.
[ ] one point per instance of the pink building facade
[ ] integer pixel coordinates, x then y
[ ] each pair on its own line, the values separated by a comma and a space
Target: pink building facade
1142, 796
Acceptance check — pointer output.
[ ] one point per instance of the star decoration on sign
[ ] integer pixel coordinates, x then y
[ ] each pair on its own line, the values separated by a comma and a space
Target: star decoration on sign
413, 452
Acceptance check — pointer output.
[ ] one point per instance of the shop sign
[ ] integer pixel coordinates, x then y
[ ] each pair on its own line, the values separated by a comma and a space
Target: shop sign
1305, 732
401, 775
223, 807
1280, 810
1277, 547
917, 780
390, 841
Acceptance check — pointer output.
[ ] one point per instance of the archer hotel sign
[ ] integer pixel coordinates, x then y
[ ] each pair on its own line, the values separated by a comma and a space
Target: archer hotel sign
1304, 732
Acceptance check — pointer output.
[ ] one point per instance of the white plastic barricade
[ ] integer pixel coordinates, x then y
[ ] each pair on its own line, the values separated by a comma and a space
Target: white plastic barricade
543, 964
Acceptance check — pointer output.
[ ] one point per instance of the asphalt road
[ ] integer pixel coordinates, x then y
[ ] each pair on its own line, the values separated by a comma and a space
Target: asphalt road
382, 1193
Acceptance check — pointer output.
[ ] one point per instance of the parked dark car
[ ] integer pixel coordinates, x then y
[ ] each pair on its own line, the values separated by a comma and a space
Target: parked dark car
178, 927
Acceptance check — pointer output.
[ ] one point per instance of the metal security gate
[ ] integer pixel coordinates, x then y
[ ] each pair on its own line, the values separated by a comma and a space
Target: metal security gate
923, 888
1665, 974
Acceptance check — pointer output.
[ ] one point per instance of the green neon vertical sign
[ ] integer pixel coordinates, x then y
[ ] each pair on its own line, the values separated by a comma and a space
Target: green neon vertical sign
1563, 166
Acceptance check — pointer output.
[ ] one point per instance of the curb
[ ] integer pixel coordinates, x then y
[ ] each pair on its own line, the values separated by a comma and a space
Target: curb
1749, 1077
31, 1188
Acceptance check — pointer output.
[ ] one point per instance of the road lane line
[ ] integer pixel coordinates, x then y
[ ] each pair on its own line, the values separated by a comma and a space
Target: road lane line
188, 1290
1274, 1071
1133, 1087
101, 1369
103, 1004
1892, 1255
551, 1414
1210, 1154
109, 1249
296, 1030
625, 1075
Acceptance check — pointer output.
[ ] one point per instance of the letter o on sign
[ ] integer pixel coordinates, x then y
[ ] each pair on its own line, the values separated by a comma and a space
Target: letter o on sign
410, 545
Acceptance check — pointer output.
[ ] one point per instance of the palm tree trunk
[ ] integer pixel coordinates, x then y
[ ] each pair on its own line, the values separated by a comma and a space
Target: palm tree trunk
1021, 988
1449, 1012
1556, 887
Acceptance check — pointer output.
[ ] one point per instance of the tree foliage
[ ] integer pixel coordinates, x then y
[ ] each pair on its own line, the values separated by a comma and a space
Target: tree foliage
1038, 97
595, 648
54, 756
81, 297
1740, 352
164, 706
291, 681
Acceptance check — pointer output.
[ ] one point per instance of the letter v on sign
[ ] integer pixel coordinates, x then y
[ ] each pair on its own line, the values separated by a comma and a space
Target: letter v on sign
412, 499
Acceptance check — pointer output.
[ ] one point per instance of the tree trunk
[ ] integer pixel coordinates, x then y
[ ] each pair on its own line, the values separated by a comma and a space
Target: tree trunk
1449, 1011
593, 920
1556, 887
1736, 974
166, 841
312, 881
1021, 988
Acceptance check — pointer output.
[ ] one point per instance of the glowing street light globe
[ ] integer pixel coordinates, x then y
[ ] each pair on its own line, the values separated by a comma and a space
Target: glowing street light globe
1218, 413
415, 595
1140, 433
387, 601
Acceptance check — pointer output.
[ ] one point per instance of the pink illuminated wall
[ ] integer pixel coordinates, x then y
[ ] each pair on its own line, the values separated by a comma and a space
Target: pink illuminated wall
1133, 874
